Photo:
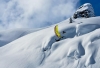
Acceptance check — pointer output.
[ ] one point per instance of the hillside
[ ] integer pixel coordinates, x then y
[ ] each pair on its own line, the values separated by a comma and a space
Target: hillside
78, 47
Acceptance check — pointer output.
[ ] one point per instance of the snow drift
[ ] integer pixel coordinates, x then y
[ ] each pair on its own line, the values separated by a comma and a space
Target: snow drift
79, 47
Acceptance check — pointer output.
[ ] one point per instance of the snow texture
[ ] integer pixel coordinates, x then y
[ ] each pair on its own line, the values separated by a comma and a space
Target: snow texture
7, 36
79, 46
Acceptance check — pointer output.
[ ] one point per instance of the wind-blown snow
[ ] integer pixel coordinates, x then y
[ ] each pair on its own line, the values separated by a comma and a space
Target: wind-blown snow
78, 49
8, 36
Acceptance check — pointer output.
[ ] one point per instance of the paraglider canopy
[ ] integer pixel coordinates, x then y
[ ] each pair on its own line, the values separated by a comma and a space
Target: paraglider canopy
56, 30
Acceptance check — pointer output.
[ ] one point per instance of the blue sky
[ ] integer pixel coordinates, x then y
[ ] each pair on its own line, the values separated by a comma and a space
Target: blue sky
38, 13
95, 4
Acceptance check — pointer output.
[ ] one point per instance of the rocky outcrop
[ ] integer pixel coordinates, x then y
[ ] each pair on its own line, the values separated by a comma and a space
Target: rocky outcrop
86, 11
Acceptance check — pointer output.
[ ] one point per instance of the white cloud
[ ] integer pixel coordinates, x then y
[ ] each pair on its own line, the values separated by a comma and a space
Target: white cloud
34, 13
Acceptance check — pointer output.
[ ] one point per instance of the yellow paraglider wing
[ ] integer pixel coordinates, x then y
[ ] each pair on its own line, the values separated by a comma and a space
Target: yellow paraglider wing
57, 31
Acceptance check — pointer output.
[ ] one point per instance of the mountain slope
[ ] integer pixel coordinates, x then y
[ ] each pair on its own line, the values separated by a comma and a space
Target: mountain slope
78, 49
8, 36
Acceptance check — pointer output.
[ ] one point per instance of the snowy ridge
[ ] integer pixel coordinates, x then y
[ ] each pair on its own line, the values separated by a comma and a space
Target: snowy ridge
8, 36
78, 49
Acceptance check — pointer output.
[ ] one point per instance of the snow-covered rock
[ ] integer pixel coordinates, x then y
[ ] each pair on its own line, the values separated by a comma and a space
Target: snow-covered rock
86, 11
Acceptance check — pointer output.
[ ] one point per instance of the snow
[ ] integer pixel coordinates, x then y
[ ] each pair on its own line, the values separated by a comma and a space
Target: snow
78, 48
86, 11
38, 49
7, 36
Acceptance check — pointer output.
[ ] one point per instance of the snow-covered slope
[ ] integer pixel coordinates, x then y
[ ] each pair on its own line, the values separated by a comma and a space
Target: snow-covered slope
78, 49
7, 36
78, 46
